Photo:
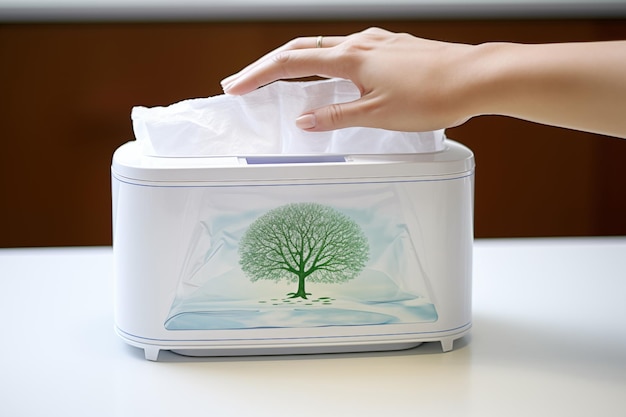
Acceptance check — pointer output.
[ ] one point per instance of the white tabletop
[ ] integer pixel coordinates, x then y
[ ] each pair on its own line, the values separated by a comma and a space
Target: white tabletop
549, 339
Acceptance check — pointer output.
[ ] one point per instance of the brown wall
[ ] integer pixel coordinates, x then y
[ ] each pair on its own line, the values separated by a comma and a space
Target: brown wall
67, 90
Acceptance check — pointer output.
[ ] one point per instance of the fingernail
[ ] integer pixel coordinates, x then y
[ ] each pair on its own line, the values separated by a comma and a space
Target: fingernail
226, 86
228, 82
306, 121
229, 79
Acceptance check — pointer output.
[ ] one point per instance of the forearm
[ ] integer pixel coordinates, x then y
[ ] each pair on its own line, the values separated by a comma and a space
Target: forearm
575, 85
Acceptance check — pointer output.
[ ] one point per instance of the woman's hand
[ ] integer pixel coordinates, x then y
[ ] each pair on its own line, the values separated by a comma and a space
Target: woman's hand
406, 83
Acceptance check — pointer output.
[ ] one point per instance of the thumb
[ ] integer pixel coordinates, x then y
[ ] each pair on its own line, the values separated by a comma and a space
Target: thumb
334, 116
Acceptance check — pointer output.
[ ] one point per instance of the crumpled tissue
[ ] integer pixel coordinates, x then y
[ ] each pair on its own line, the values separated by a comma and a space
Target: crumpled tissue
263, 123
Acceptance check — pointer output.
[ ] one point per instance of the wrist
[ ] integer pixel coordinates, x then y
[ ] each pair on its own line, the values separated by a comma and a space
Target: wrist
488, 76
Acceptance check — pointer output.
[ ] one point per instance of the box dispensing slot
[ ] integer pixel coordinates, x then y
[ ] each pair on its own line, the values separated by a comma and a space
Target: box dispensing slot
294, 159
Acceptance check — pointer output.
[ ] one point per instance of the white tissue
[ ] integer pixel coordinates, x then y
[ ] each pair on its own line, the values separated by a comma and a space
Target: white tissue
263, 122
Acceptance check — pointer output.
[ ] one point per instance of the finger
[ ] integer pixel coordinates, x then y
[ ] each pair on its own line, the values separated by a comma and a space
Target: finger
288, 65
295, 44
334, 116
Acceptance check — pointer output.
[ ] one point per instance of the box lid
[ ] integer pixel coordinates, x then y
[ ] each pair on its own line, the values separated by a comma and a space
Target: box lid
130, 164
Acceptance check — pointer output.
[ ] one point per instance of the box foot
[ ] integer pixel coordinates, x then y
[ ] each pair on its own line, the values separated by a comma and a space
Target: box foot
152, 353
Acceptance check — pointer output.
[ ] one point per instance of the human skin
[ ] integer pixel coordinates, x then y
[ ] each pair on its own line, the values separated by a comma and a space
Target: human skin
413, 84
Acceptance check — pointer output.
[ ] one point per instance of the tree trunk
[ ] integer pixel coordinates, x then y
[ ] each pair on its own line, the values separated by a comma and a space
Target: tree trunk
301, 292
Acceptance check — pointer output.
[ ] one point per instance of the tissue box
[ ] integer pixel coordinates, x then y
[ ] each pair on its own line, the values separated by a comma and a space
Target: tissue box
284, 254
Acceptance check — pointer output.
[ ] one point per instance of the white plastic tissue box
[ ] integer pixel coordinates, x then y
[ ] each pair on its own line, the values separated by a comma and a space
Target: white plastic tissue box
292, 253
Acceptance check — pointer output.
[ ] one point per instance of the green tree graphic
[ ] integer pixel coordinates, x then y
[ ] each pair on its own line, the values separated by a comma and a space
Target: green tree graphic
303, 242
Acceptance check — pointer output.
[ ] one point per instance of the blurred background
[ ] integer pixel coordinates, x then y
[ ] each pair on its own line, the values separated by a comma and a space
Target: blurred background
69, 76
